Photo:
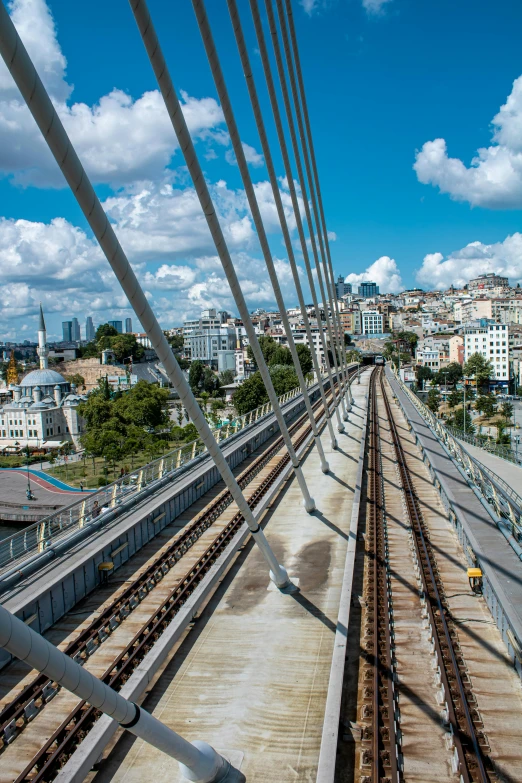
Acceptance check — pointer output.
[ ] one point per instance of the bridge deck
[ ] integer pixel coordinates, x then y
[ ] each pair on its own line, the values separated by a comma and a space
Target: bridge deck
508, 471
494, 552
252, 676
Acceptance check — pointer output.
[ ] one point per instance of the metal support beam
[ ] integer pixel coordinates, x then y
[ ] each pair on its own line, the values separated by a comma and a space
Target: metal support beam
198, 761
35, 95
161, 71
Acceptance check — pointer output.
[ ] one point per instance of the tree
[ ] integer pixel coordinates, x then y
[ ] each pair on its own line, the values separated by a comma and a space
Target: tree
145, 405
408, 337
502, 436
507, 410
226, 377
455, 398
267, 344
284, 379
175, 341
485, 403
125, 346
433, 401
281, 355
451, 374
75, 378
105, 330
353, 356
305, 358
424, 374
196, 375
209, 381
480, 368
250, 394
458, 419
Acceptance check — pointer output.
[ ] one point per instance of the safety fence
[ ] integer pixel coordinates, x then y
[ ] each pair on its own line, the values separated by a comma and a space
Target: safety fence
506, 503
37, 537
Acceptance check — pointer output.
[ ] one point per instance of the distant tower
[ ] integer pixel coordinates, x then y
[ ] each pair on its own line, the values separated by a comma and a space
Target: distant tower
75, 331
89, 329
128, 325
42, 350
12, 374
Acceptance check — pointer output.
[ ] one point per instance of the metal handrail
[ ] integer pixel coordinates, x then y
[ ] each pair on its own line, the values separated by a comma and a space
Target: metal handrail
38, 537
481, 442
506, 502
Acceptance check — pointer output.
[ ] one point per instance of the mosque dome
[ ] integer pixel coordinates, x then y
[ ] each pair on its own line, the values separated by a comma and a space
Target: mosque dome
43, 378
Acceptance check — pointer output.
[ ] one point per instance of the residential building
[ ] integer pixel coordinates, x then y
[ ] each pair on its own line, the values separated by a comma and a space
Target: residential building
204, 344
128, 326
368, 290
429, 358
351, 321
118, 325
492, 341
456, 348
89, 329
342, 288
488, 281
372, 322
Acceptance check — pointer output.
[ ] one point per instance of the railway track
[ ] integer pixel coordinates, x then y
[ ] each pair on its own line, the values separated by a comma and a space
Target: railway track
381, 754
18, 714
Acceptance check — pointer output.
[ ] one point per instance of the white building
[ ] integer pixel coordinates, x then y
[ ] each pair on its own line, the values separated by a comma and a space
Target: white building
43, 411
205, 344
492, 341
372, 322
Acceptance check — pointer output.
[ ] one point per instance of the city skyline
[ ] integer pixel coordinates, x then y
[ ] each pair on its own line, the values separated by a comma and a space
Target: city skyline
415, 212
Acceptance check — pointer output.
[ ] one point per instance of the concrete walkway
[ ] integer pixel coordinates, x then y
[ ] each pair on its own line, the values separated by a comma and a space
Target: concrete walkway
252, 676
508, 471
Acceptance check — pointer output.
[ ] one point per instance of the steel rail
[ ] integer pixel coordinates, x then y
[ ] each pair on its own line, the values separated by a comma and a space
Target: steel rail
25, 706
58, 748
469, 759
379, 740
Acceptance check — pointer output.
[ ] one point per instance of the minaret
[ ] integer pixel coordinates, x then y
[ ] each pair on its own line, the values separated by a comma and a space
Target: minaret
42, 350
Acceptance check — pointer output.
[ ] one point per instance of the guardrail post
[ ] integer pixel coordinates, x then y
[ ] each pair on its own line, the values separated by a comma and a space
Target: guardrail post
193, 450
81, 518
41, 537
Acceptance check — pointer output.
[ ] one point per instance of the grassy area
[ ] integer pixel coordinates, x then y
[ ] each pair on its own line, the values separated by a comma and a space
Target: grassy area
94, 474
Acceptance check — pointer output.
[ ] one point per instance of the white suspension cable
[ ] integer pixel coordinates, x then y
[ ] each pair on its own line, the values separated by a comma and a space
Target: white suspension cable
245, 61
224, 98
295, 145
309, 138
159, 66
293, 194
30, 85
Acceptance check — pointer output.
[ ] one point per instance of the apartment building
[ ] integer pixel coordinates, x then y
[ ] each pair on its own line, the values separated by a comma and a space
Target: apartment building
372, 322
492, 341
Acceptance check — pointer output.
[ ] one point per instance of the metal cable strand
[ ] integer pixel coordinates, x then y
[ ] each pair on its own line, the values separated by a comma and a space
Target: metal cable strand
265, 145
213, 58
302, 182
291, 185
24, 73
295, 98
161, 71
304, 106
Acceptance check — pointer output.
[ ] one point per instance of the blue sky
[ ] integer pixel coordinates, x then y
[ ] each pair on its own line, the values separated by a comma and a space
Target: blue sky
390, 85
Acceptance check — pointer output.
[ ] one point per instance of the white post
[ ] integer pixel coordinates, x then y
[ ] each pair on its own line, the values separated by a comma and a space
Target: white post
30, 85
198, 761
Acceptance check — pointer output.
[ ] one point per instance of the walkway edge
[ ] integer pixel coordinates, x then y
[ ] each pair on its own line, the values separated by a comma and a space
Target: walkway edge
329, 739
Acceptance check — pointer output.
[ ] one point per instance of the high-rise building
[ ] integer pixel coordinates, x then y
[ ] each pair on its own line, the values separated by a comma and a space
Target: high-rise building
118, 325
75, 330
128, 325
368, 290
89, 329
67, 331
342, 288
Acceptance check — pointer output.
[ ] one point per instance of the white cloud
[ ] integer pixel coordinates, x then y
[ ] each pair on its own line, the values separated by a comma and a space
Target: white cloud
384, 272
311, 7
252, 156
494, 177
504, 258
119, 139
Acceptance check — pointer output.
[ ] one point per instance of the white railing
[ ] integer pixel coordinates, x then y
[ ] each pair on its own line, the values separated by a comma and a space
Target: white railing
38, 537
505, 501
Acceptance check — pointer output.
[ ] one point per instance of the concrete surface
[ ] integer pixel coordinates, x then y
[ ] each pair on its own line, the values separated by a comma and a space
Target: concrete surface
508, 471
252, 676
